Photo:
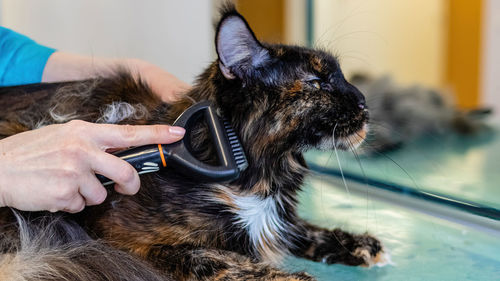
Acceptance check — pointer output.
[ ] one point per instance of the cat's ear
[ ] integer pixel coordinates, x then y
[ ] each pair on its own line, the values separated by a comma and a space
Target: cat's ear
238, 50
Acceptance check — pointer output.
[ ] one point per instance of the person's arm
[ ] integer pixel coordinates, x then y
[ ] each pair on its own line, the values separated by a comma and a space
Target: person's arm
65, 66
23, 61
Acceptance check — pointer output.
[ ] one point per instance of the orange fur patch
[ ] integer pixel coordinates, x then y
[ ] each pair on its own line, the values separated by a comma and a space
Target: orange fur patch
316, 64
358, 137
11, 128
297, 87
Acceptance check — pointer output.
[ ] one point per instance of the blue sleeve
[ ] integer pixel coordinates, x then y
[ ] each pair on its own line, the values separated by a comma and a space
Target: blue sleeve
22, 60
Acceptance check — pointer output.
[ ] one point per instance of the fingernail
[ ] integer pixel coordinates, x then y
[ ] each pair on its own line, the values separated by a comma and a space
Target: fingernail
177, 131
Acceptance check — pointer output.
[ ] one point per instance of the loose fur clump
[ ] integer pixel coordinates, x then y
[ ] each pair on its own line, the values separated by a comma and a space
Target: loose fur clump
281, 100
119, 111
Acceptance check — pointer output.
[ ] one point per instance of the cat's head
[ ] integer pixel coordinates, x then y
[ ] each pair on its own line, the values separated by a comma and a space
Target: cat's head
283, 98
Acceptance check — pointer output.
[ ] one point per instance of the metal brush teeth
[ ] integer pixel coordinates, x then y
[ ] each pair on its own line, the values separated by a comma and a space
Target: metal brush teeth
236, 148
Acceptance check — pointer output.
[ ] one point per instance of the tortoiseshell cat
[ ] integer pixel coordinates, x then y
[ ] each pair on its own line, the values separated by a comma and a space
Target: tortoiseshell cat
282, 100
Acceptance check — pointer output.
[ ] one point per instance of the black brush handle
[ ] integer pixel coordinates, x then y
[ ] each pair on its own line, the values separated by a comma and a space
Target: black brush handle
179, 156
145, 159
151, 158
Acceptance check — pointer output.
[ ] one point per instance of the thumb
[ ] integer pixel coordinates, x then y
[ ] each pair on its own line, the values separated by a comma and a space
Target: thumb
112, 136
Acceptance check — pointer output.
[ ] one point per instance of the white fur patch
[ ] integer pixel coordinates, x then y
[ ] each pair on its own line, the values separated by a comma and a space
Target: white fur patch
384, 260
261, 219
66, 99
61, 118
276, 128
119, 111
40, 123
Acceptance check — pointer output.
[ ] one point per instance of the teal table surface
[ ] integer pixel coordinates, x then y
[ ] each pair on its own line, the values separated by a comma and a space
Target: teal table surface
464, 168
422, 247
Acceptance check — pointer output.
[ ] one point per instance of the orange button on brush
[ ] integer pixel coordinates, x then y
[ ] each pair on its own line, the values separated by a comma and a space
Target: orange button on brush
162, 156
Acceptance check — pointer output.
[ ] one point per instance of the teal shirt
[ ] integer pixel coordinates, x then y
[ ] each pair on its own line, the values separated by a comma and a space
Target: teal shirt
22, 60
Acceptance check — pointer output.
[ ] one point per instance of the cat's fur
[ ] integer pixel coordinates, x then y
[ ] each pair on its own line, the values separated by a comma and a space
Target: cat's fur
282, 100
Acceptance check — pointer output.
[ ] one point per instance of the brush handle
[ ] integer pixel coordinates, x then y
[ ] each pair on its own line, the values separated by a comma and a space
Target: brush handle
151, 158
179, 154
145, 159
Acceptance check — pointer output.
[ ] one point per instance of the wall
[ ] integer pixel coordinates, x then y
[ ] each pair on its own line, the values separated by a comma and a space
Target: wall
490, 68
463, 50
295, 22
404, 38
176, 35
265, 17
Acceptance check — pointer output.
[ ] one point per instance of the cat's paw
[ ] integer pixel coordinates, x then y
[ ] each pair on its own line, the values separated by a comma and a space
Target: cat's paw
265, 274
357, 250
299, 276
370, 251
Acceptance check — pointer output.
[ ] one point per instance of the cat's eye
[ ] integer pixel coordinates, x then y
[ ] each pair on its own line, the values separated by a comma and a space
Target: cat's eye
315, 83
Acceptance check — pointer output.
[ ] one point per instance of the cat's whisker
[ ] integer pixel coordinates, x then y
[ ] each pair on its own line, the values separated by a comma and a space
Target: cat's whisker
356, 11
433, 139
400, 167
322, 186
340, 166
356, 56
365, 184
325, 165
345, 184
380, 125
403, 138
332, 29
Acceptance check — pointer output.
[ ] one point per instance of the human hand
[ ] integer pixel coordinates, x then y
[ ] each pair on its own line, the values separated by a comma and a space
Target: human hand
53, 168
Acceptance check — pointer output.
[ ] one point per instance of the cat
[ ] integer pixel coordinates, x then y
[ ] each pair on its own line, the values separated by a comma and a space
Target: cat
281, 100
400, 115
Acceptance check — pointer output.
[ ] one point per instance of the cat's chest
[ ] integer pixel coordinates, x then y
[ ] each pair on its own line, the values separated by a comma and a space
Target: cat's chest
263, 220
259, 216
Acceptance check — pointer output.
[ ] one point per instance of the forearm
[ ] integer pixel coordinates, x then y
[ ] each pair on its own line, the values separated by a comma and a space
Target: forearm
66, 67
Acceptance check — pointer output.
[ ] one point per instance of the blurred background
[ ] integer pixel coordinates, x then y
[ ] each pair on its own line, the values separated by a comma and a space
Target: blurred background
448, 44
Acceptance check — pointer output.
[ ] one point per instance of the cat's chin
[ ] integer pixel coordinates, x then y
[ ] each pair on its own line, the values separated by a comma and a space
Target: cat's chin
356, 139
352, 141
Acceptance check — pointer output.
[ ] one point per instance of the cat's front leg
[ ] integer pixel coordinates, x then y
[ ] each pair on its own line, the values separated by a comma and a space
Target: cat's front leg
186, 262
338, 246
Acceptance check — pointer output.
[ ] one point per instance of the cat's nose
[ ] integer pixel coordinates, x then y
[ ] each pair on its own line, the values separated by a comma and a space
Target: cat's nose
359, 98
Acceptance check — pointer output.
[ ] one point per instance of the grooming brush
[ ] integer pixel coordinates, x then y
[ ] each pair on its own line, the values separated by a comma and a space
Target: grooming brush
230, 154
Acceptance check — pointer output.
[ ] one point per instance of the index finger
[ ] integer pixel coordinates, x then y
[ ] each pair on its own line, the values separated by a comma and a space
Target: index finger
111, 136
